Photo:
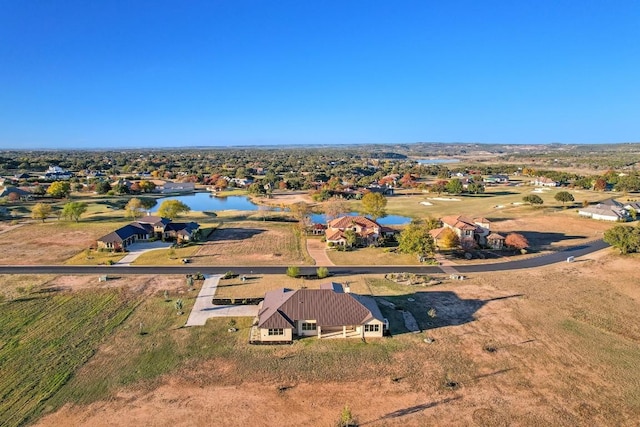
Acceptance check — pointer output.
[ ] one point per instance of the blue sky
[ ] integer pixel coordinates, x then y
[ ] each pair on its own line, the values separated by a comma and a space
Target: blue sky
108, 74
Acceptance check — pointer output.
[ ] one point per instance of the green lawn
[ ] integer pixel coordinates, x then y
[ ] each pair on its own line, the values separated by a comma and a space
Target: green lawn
371, 256
45, 339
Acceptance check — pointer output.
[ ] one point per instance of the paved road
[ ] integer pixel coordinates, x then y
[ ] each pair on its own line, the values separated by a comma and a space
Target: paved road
537, 261
203, 309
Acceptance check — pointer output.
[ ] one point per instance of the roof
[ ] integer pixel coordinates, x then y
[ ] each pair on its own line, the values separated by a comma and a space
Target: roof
282, 307
154, 220
334, 236
462, 222
604, 211
349, 221
437, 233
123, 233
495, 236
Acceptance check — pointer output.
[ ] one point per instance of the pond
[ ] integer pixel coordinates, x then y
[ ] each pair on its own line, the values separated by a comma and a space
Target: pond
208, 202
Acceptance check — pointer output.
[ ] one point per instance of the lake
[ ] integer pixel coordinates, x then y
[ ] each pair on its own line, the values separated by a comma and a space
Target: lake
207, 202
437, 161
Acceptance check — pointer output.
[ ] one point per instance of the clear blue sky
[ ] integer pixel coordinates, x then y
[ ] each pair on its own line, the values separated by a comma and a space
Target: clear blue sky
172, 73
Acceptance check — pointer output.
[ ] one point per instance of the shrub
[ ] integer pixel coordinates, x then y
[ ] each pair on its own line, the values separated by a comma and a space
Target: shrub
322, 272
293, 271
228, 275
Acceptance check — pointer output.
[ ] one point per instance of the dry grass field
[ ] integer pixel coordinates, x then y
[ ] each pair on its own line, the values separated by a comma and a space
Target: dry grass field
252, 243
558, 345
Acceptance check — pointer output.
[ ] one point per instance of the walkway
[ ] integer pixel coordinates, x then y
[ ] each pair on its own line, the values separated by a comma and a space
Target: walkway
137, 249
317, 250
203, 309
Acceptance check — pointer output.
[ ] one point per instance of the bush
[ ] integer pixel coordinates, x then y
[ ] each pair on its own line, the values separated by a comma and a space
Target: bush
293, 271
322, 272
229, 275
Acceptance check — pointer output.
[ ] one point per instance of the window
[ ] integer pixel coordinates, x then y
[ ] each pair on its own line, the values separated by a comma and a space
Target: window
279, 331
372, 328
309, 326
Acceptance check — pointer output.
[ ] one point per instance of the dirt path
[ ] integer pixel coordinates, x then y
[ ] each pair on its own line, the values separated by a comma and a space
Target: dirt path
317, 250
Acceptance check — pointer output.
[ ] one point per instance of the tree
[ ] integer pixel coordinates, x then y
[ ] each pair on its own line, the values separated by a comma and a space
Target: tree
350, 237
178, 305
103, 187
74, 210
301, 212
439, 187
148, 203
374, 204
624, 238
564, 196
454, 186
172, 208
449, 239
415, 239
475, 188
134, 208
600, 184
516, 241
346, 418
147, 186
40, 211
533, 199
335, 207
59, 189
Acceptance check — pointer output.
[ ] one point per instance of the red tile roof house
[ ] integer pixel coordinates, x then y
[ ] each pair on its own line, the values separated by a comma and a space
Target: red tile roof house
328, 312
471, 232
367, 230
146, 228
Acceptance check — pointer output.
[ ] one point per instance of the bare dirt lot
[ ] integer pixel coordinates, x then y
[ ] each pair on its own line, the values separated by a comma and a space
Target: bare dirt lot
558, 345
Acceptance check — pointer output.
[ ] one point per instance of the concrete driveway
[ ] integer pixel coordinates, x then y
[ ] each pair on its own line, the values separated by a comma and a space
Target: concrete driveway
203, 309
137, 249
317, 250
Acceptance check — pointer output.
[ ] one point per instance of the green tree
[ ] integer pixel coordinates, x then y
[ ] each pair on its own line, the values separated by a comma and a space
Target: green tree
103, 187
134, 208
564, 196
59, 189
172, 208
415, 239
146, 186
74, 210
374, 205
475, 188
351, 237
533, 199
40, 211
454, 186
624, 238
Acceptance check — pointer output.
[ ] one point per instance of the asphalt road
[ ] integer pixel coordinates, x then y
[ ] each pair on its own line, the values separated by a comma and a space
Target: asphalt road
537, 261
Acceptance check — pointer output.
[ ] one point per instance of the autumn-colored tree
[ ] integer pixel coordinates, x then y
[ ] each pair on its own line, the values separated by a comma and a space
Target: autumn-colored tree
301, 212
516, 241
59, 189
221, 184
439, 187
600, 184
40, 211
449, 239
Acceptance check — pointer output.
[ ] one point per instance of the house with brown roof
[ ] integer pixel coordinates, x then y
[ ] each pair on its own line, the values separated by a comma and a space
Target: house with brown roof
471, 232
328, 312
367, 230
147, 228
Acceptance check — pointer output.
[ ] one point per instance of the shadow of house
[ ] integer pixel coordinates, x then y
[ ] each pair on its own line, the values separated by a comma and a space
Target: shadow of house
539, 239
448, 309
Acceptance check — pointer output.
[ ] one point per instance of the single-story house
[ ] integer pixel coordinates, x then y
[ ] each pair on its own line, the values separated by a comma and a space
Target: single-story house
326, 312
147, 228
543, 181
609, 210
496, 179
176, 187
